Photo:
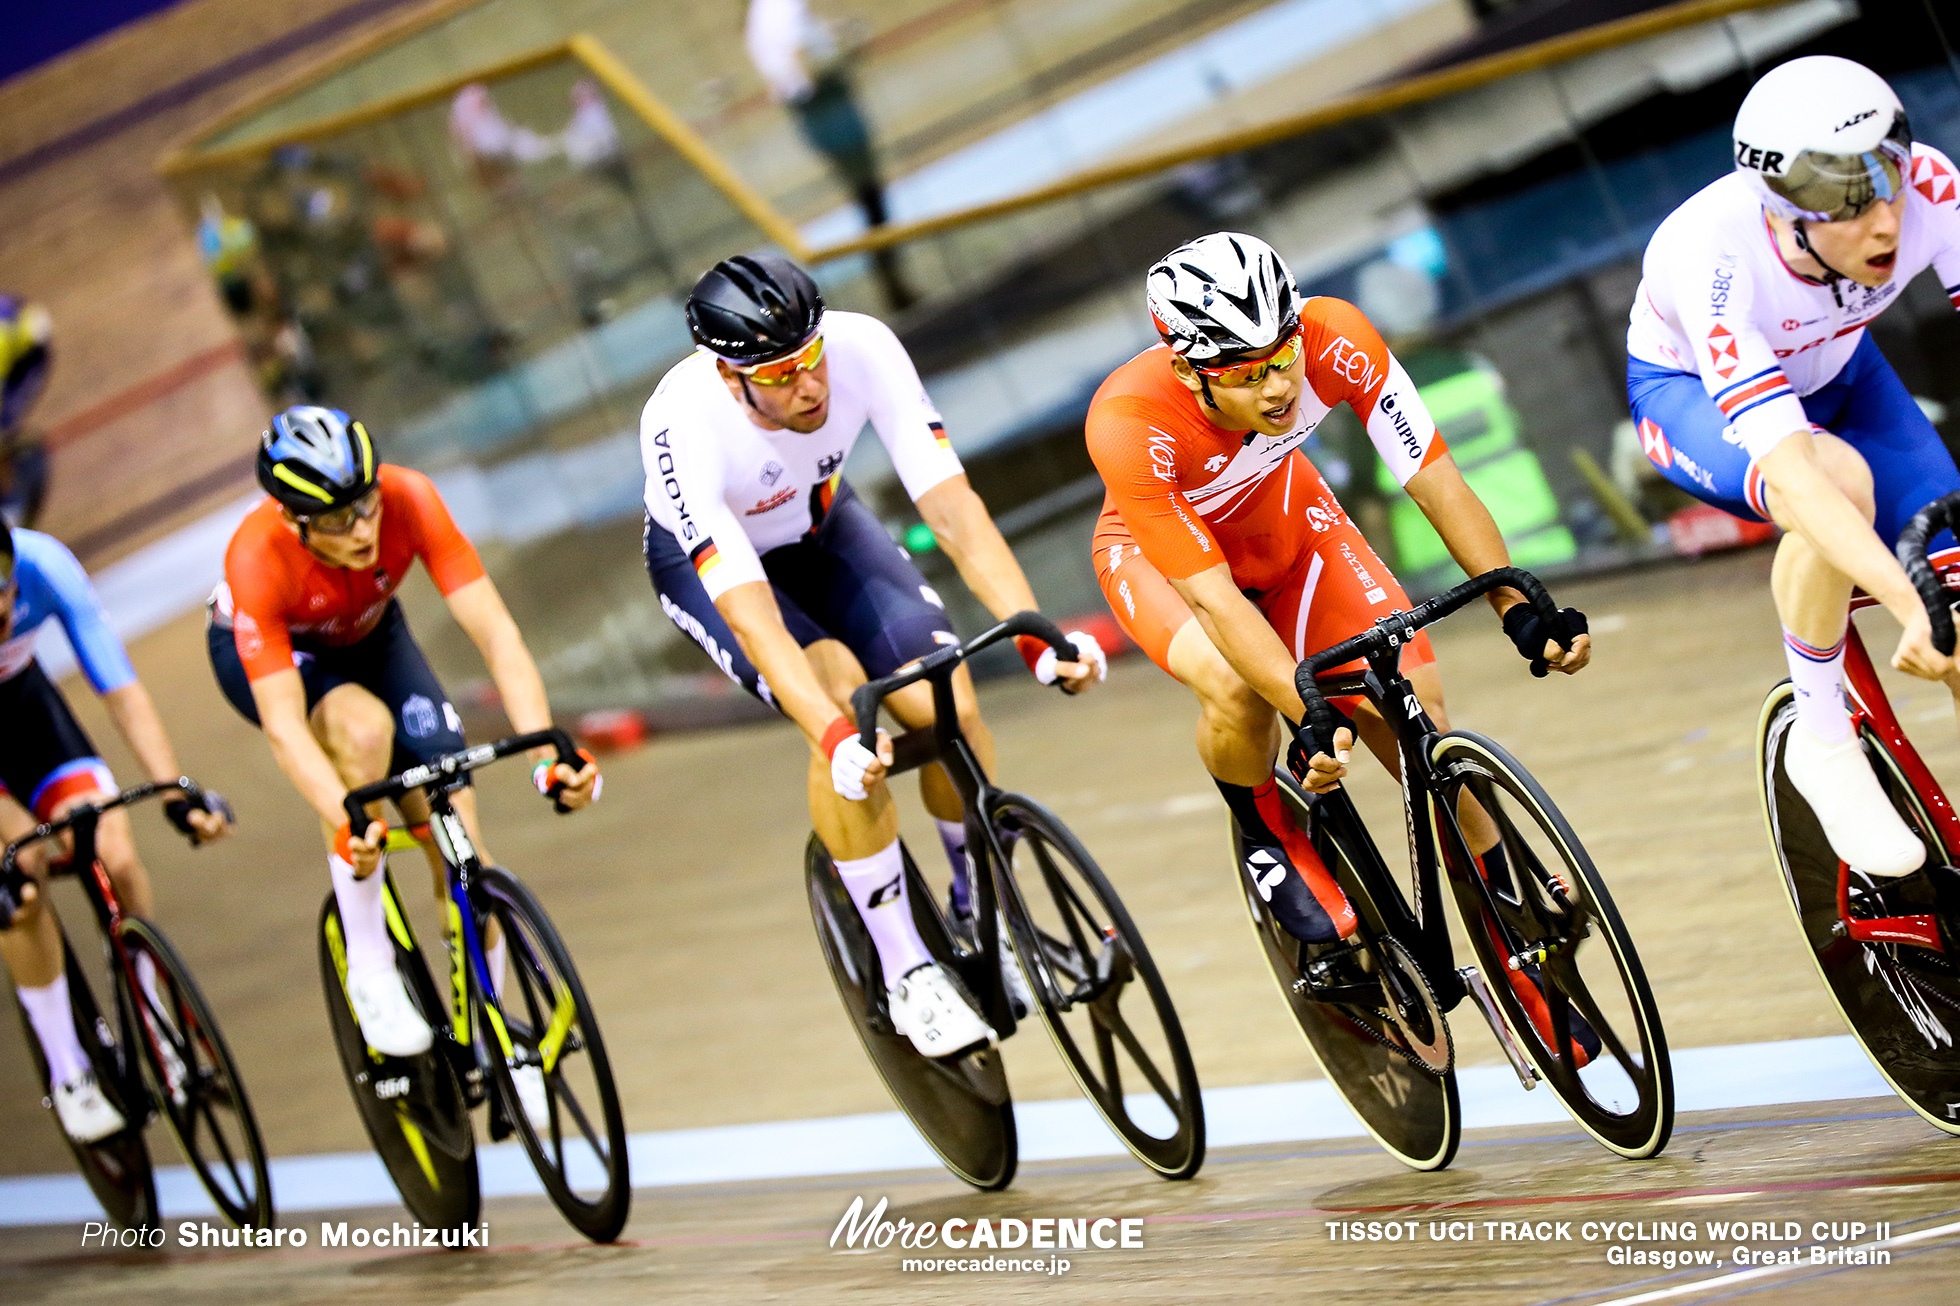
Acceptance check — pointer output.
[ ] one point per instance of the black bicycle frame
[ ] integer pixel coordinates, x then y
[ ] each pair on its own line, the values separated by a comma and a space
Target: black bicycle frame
945, 742
1424, 930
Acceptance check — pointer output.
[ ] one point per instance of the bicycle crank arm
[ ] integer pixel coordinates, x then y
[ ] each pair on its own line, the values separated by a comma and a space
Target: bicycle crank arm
1473, 983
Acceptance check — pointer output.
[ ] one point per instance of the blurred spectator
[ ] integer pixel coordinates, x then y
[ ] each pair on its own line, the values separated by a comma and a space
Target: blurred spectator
26, 353
591, 138
229, 247
786, 42
487, 139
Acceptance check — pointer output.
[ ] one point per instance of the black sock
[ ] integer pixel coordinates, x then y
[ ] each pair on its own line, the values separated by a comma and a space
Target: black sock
1245, 810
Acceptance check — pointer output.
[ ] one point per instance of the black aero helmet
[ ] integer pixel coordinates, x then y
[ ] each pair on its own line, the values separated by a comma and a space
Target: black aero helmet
754, 307
315, 460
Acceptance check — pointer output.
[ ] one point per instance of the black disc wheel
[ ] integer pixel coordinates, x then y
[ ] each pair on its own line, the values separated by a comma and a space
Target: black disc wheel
960, 1104
544, 1029
1413, 1112
1097, 990
413, 1108
194, 1081
117, 1168
1901, 1001
1556, 956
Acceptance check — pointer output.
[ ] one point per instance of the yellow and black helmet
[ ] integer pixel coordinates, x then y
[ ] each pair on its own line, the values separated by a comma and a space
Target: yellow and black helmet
315, 460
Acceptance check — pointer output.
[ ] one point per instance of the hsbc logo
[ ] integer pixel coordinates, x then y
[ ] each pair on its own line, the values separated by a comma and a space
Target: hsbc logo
1722, 352
1654, 444
1933, 179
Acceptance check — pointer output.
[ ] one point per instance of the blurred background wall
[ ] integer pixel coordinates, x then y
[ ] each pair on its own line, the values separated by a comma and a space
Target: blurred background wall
473, 224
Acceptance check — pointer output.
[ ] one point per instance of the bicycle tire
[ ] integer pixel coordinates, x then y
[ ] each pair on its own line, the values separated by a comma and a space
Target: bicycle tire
1413, 1115
963, 1110
1868, 983
421, 1129
214, 1083
117, 1168
566, 1020
1059, 951
1590, 1094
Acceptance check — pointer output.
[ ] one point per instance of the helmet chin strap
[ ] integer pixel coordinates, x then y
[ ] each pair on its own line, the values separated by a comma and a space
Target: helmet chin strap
1204, 385
1831, 275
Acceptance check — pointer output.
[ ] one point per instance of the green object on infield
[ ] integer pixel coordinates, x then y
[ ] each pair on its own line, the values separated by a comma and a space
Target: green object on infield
919, 539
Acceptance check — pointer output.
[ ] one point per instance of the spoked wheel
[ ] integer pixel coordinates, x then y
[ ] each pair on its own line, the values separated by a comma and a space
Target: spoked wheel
1902, 1001
960, 1104
546, 1022
1412, 1111
195, 1081
117, 1167
1098, 991
413, 1107
1558, 959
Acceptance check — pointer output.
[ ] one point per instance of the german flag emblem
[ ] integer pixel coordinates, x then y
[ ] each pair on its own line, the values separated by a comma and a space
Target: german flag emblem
939, 434
706, 557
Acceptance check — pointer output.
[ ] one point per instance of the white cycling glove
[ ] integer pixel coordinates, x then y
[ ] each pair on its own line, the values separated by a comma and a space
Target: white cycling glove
1086, 649
849, 759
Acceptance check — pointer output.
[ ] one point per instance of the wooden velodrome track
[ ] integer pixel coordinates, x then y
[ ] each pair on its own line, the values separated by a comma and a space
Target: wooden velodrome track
680, 897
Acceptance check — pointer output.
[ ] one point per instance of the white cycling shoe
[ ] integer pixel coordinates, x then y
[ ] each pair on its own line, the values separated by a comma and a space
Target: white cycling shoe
530, 1093
85, 1114
1864, 828
927, 1008
389, 1021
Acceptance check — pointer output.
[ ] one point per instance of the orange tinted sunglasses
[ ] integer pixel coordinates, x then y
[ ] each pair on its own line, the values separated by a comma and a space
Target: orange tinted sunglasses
1242, 374
782, 371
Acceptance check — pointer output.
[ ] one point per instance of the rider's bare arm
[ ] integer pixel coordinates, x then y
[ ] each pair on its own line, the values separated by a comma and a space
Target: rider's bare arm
480, 611
1804, 499
751, 612
1472, 537
966, 531
135, 715
281, 702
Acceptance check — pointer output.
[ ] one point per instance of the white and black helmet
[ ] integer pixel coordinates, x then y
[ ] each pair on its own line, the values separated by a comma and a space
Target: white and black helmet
1823, 139
1223, 296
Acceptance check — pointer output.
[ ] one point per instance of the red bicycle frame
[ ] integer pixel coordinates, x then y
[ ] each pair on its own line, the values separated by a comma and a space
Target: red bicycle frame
1870, 706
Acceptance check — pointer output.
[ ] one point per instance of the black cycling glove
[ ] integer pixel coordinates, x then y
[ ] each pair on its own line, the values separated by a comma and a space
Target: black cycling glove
1529, 632
178, 812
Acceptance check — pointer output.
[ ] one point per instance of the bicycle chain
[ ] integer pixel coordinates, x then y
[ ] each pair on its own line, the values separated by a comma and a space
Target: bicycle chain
1382, 1015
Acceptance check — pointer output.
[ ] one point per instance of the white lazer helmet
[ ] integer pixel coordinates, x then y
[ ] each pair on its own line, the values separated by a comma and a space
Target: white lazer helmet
1222, 295
1823, 139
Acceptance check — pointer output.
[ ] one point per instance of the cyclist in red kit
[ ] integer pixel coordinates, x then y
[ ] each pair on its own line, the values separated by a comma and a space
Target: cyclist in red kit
1226, 558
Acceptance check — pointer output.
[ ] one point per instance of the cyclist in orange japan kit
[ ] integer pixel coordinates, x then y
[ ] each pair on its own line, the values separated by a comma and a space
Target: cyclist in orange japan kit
1227, 560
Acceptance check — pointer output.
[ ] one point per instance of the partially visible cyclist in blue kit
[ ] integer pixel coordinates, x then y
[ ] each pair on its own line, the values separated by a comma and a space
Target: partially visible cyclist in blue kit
47, 766
1756, 388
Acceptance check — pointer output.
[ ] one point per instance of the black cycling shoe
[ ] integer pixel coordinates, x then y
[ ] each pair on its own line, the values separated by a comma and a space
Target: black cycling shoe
1285, 893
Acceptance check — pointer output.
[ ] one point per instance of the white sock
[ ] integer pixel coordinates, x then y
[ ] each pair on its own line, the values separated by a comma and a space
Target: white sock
493, 956
54, 1024
1817, 674
877, 886
363, 919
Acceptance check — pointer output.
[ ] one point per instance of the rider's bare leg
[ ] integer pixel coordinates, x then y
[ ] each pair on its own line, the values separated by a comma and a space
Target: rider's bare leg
1813, 597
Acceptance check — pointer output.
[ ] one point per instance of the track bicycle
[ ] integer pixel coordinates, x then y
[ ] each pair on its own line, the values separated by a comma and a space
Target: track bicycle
1374, 1007
1094, 985
417, 1109
161, 1054
1888, 950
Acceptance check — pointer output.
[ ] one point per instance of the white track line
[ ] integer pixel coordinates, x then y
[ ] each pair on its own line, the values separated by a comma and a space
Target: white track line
1765, 1271
1706, 1079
